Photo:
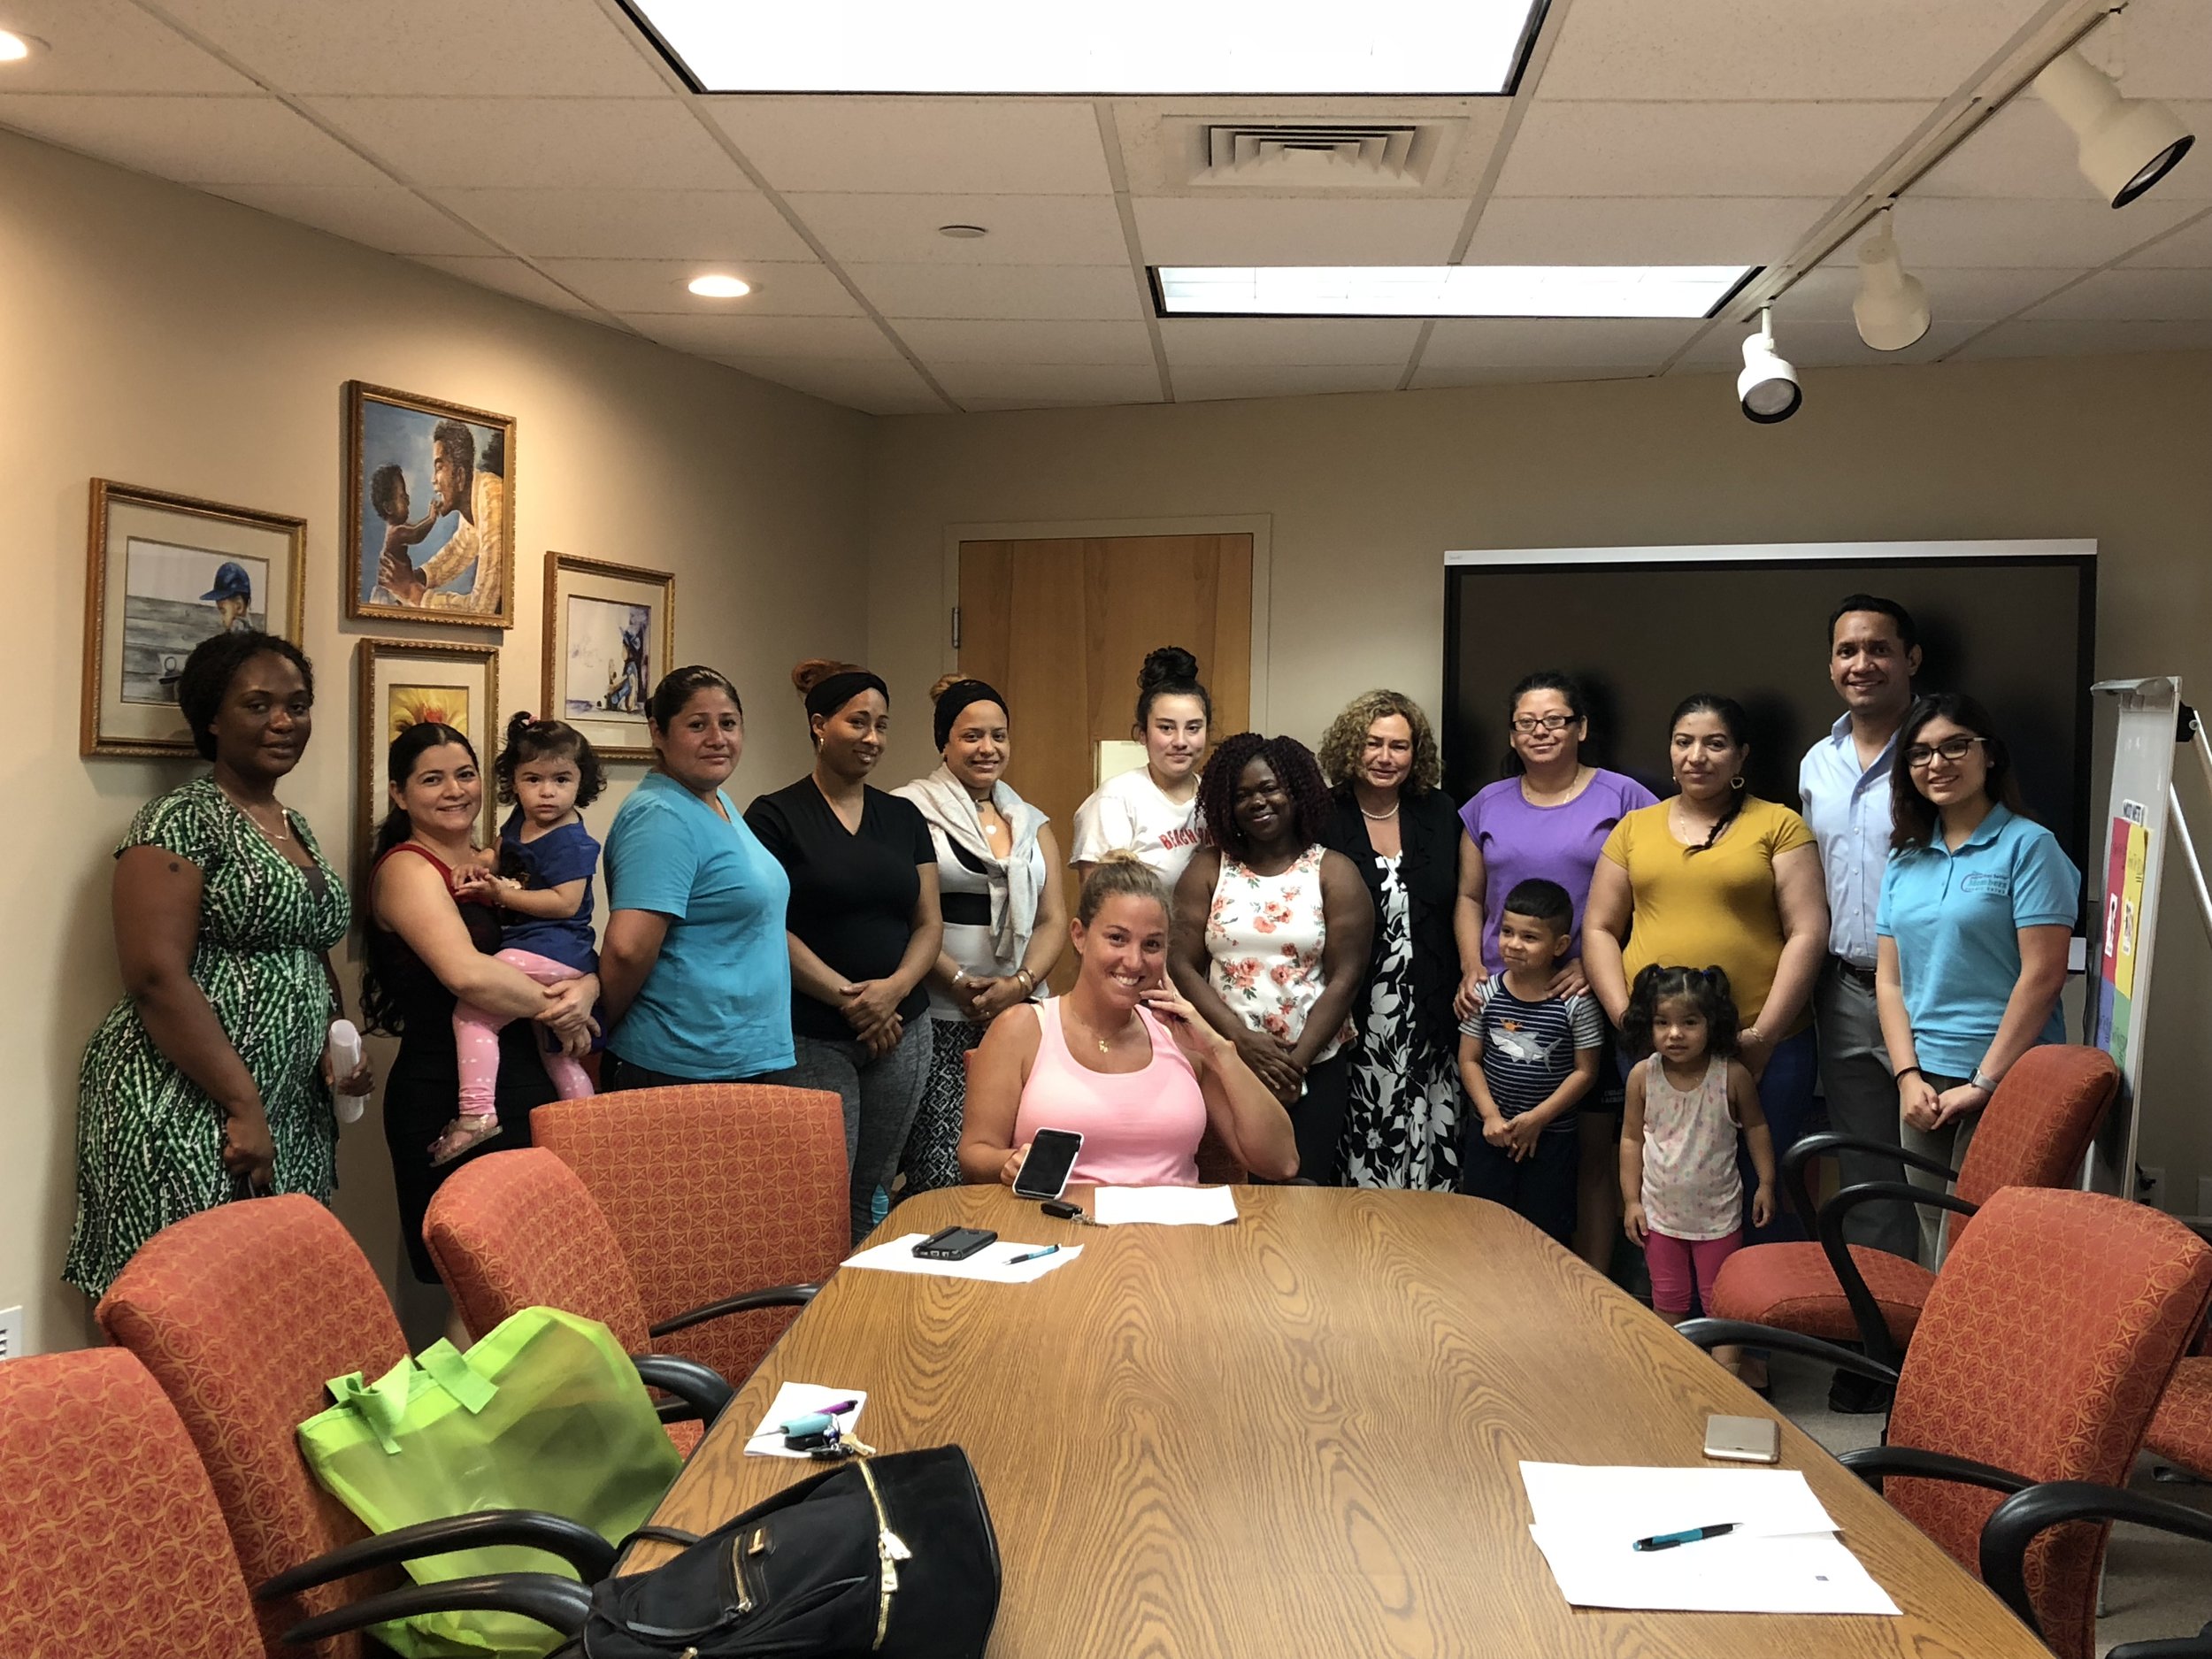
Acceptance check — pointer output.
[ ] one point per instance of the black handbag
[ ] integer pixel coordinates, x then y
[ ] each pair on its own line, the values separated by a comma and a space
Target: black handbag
890, 1555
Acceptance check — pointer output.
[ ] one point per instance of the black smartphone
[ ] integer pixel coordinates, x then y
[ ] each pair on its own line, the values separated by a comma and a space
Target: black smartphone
1044, 1172
954, 1244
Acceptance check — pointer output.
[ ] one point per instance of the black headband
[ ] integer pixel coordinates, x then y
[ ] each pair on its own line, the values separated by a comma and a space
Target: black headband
958, 697
839, 689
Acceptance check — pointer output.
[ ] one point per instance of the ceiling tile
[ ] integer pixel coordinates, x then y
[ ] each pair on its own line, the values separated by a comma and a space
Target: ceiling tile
1281, 230
1954, 293
478, 49
1044, 385
940, 341
387, 216
508, 276
1824, 343
2024, 150
1428, 377
1023, 229
628, 224
1231, 342
1761, 150
1211, 381
1990, 234
1642, 230
1042, 292
797, 289
848, 338
880, 388
195, 141
110, 46
1638, 343
2028, 338
2164, 50
2161, 296
1776, 49
607, 142
2189, 248
981, 146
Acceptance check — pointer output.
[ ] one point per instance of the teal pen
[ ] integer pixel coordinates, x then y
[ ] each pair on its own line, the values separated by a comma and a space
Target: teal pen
1049, 1249
1668, 1540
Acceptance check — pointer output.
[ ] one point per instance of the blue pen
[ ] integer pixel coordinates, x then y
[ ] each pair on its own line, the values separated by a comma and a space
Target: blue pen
1668, 1540
1049, 1249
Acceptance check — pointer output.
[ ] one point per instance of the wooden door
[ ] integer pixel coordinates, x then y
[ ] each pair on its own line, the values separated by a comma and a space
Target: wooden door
1062, 626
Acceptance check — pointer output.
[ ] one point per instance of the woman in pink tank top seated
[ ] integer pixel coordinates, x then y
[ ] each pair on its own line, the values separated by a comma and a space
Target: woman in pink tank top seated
1121, 1059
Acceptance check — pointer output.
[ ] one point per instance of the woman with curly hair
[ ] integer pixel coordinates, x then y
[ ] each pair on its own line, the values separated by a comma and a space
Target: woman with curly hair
1271, 934
1389, 817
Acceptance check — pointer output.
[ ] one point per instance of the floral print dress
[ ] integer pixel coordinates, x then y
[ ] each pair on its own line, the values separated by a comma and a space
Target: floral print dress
1264, 941
1402, 1126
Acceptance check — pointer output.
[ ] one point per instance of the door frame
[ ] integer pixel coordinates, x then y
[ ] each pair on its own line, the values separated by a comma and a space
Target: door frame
1259, 525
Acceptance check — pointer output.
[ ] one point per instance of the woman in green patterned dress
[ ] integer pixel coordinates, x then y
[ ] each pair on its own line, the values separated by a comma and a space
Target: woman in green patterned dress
206, 1081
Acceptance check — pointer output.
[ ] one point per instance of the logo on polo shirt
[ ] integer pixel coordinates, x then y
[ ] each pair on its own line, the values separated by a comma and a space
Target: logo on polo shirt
1997, 886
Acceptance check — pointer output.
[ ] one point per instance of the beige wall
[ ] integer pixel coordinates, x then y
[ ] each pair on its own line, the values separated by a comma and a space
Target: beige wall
1366, 493
161, 337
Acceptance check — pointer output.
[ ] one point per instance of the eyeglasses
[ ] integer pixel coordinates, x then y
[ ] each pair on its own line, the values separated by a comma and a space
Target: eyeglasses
1529, 724
1952, 748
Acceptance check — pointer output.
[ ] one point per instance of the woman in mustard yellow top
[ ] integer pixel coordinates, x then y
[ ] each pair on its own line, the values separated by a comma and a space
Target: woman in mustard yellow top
1718, 877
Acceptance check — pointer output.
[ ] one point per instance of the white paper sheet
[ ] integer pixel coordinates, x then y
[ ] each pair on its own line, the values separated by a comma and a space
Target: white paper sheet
1639, 1503
994, 1262
1165, 1206
796, 1400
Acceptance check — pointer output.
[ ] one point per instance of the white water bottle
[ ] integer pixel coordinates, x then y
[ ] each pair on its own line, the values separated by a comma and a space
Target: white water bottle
343, 1051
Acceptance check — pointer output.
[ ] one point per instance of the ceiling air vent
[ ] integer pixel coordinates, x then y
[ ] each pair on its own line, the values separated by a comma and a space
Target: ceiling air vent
1322, 156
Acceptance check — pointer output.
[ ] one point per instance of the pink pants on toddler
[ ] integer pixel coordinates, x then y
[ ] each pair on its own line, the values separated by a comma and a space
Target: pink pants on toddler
476, 1042
1673, 1261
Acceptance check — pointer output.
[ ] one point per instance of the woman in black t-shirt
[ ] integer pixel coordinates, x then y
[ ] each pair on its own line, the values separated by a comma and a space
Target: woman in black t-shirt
863, 926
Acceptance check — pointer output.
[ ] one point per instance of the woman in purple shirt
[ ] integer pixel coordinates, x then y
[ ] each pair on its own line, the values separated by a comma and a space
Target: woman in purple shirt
1549, 817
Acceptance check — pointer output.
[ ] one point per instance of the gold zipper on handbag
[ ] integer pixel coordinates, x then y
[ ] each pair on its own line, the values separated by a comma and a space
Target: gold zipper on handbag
890, 1550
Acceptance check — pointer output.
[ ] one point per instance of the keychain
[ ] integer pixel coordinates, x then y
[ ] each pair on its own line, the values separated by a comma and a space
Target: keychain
1065, 1212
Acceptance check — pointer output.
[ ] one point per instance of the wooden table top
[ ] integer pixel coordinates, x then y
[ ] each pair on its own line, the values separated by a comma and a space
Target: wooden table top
1298, 1434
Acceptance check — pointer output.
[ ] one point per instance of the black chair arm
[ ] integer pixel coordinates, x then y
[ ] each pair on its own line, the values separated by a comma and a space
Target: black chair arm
1803, 1152
1710, 1333
700, 1390
1871, 1463
774, 1297
1865, 1312
559, 1602
591, 1556
2020, 1520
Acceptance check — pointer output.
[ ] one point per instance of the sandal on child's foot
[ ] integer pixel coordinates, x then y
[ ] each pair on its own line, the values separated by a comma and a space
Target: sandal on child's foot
462, 1136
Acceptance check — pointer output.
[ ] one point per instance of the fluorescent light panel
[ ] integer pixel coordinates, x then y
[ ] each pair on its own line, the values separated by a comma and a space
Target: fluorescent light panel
1450, 290
1417, 48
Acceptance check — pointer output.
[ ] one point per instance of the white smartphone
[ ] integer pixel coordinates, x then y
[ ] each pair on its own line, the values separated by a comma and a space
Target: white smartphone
1743, 1439
1044, 1171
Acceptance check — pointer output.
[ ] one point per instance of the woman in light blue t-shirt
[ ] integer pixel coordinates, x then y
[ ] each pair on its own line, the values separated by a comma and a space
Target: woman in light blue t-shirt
1979, 902
695, 978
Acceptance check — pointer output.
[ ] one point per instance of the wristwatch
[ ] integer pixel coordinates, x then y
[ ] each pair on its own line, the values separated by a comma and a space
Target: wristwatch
1983, 1081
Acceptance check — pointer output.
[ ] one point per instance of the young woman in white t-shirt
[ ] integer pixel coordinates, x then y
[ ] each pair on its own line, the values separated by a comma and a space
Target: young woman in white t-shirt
1153, 812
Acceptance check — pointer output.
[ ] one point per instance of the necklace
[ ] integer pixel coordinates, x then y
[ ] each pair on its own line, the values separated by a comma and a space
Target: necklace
1381, 818
1554, 797
275, 838
1104, 1047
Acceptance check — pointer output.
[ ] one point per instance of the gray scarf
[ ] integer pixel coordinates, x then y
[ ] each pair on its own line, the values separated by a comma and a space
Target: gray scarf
945, 802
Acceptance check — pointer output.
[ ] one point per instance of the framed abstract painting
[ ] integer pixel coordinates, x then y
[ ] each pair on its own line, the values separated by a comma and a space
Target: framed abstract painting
429, 510
405, 683
609, 635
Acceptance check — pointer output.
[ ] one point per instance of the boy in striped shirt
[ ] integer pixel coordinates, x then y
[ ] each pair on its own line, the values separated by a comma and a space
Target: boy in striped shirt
1527, 1056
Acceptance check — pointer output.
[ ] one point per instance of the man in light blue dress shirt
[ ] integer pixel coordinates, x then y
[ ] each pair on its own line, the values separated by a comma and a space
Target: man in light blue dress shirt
1844, 782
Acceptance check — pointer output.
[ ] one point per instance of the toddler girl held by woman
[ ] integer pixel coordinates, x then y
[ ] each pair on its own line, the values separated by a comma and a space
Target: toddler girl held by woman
543, 885
1685, 1103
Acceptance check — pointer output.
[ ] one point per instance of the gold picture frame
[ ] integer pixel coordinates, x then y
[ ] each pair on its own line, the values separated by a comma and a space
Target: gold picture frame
165, 572
402, 453
401, 681
609, 635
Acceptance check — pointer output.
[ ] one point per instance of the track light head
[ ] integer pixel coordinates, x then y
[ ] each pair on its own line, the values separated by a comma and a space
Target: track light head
2124, 146
1892, 308
1768, 388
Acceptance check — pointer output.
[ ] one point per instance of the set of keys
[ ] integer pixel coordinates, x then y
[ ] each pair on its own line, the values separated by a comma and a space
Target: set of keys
1060, 1209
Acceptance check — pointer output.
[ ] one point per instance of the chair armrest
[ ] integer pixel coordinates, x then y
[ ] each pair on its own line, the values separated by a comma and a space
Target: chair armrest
1795, 1158
591, 1556
699, 1389
561, 1603
2020, 1520
774, 1297
1710, 1333
1871, 1464
1865, 1312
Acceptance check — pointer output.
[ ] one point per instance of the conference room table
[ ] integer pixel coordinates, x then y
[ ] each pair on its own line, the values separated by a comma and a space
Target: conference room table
1299, 1433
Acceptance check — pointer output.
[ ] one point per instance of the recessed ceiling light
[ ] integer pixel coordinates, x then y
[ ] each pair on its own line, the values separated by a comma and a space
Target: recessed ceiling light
15, 48
719, 287
1463, 290
962, 233
1414, 48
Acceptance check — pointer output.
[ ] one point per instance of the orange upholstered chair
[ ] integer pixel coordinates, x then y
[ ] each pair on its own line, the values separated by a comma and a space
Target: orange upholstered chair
711, 1187
2181, 1429
2019, 1375
2033, 1133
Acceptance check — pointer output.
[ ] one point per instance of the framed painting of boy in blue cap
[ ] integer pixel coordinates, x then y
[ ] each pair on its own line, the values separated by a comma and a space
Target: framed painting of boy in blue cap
429, 510
167, 571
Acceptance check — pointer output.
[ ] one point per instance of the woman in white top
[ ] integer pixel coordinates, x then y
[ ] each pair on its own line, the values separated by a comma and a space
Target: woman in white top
1005, 917
1153, 812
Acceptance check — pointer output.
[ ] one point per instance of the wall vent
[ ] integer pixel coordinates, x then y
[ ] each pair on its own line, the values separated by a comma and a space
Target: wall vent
1321, 156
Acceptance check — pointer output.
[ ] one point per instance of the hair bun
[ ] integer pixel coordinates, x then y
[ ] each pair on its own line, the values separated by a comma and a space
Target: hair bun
1167, 665
944, 683
519, 722
815, 670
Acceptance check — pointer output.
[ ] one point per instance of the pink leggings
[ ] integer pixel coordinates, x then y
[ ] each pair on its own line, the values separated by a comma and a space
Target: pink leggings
476, 1042
1674, 1260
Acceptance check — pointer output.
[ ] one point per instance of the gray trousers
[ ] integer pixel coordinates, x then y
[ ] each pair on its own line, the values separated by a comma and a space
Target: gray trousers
1947, 1145
1862, 1101
881, 1096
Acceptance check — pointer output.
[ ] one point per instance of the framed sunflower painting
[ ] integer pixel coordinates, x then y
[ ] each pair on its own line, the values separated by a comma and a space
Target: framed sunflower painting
404, 685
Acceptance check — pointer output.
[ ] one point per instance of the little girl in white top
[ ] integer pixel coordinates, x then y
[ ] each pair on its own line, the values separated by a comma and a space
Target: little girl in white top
1678, 1166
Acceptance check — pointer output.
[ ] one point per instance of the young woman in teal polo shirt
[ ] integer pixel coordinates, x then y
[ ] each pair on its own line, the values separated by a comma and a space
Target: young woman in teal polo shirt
1977, 904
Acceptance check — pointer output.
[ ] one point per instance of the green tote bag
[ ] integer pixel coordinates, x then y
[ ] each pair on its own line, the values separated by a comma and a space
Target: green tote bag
545, 1412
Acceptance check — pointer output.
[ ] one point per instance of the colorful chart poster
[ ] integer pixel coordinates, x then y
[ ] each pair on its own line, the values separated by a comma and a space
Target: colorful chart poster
2123, 910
